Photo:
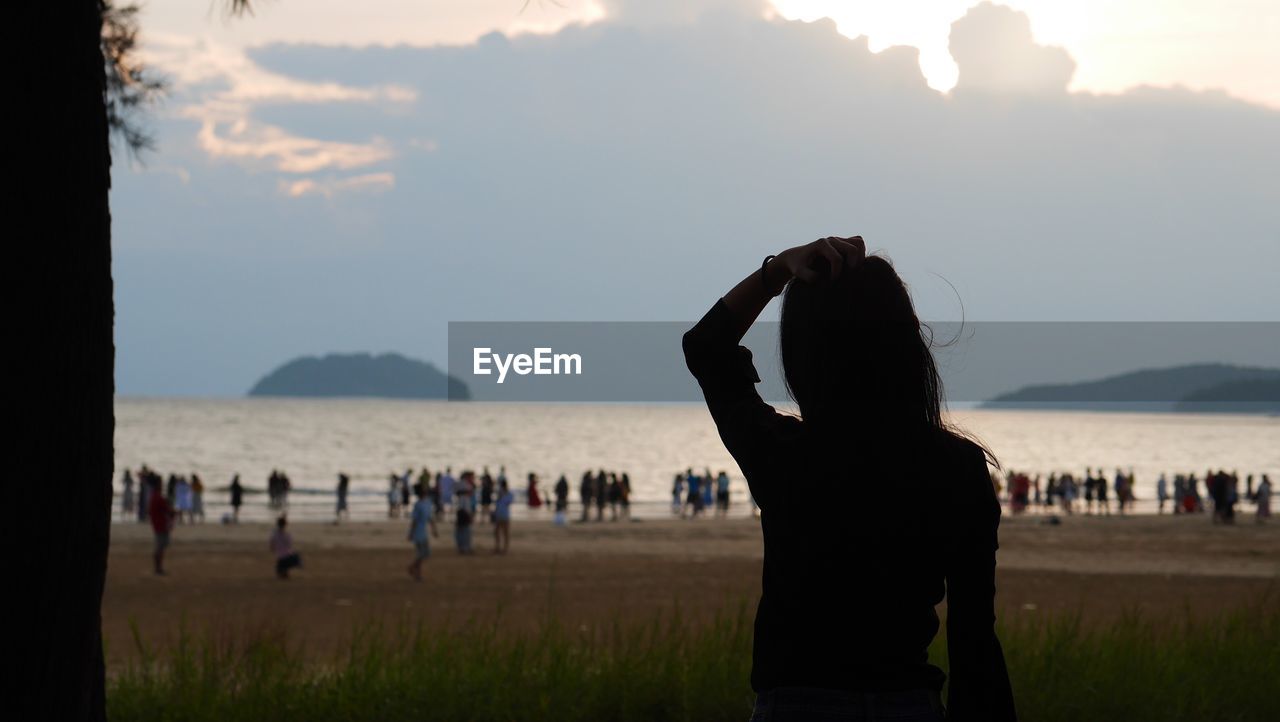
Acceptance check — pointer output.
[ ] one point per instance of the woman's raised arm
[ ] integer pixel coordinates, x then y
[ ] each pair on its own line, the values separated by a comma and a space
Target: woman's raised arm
747, 299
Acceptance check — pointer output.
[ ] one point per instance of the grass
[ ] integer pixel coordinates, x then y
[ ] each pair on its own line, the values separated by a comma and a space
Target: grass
1224, 668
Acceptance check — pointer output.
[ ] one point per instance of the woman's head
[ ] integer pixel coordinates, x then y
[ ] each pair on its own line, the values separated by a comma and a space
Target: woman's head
855, 354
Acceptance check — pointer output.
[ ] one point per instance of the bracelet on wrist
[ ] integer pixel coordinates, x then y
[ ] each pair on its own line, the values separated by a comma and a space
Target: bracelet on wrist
764, 277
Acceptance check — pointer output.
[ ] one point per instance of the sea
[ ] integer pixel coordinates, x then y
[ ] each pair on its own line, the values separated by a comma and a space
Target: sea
312, 440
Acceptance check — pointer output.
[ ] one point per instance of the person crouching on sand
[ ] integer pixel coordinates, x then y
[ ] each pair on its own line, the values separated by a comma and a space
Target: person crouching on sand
423, 516
281, 545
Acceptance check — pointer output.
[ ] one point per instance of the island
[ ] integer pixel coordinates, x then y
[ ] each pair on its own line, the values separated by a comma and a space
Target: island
1191, 388
385, 376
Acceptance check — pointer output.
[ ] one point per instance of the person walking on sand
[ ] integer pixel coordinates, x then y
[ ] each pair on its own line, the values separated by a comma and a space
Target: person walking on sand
1162, 492
1121, 488
1100, 489
677, 495
1262, 497
486, 494
625, 501
182, 499
722, 494
436, 502
693, 503
562, 499
615, 495
447, 484
534, 498
421, 520
126, 494
860, 368
601, 494
281, 544
237, 498
197, 498
502, 519
424, 480
160, 512
340, 510
393, 495
464, 513
586, 493
146, 480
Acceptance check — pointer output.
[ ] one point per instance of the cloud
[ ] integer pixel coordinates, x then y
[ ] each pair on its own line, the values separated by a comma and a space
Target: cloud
220, 88
994, 49
670, 12
616, 172
369, 182
240, 139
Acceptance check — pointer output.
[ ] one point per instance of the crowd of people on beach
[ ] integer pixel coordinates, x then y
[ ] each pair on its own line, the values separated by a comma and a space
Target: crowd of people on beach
185, 494
692, 495
1063, 492
603, 489
162, 504
468, 499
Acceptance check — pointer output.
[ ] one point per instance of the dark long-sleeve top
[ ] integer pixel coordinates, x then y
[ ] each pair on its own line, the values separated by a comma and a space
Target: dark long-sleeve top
864, 534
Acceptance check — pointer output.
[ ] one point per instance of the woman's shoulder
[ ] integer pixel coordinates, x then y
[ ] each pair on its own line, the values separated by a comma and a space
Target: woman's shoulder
968, 480
965, 449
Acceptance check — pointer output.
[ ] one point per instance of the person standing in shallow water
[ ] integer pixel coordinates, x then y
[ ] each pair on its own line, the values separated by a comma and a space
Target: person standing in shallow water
862, 374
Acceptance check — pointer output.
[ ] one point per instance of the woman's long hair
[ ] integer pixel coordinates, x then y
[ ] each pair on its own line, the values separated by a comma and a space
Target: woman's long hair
856, 357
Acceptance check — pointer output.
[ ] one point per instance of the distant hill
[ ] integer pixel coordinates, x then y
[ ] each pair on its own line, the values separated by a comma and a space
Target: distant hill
1256, 396
389, 376
1199, 387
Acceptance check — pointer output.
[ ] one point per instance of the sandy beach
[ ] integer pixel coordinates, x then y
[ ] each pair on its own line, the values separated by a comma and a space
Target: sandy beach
221, 577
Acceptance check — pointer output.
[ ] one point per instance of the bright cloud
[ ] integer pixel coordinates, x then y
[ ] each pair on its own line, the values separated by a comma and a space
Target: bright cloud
242, 139
369, 182
220, 87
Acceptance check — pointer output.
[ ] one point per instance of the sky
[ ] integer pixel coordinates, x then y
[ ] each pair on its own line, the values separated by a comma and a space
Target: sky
1232, 45
351, 177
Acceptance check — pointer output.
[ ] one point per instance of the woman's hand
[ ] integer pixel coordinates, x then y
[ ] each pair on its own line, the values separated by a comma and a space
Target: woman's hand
800, 261
747, 299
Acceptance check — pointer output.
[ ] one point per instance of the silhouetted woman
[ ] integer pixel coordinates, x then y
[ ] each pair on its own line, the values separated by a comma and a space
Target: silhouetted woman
846, 612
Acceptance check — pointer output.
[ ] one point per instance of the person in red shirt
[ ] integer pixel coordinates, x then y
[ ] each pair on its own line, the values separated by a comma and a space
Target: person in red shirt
161, 513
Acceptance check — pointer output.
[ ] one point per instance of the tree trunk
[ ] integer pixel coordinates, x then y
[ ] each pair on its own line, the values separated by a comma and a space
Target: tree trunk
59, 292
